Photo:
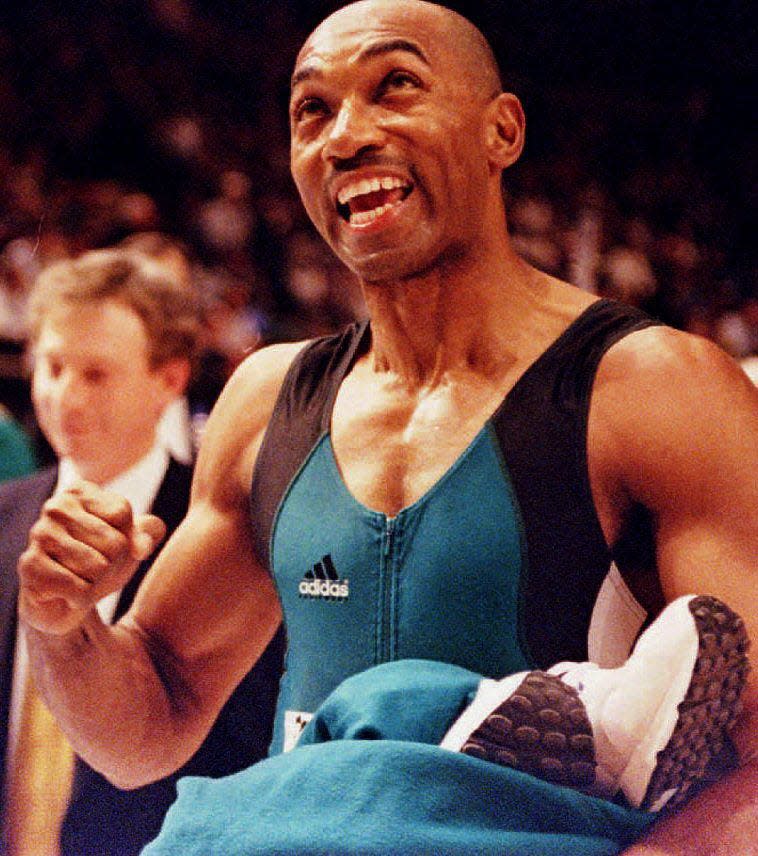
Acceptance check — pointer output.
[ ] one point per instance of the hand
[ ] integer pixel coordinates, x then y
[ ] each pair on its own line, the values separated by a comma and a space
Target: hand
85, 545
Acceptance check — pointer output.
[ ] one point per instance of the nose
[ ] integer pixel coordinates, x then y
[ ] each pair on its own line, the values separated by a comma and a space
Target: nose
71, 391
354, 130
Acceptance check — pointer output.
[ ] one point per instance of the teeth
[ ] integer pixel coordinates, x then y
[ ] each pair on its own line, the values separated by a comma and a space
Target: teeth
360, 188
364, 217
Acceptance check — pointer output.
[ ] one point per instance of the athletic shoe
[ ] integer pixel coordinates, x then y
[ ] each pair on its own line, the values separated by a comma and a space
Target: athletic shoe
647, 729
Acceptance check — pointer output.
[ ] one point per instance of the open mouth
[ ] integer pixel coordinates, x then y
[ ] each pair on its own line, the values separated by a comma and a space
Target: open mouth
365, 200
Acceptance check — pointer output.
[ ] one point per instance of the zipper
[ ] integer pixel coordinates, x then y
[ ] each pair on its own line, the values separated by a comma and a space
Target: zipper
385, 647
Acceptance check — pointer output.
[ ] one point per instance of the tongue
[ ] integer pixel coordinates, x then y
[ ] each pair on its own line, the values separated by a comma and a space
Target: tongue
369, 201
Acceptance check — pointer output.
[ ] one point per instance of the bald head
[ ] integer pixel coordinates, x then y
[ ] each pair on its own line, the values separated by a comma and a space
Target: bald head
473, 54
399, 127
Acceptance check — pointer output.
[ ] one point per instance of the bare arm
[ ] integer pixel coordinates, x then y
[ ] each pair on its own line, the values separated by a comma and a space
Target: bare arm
136, 699
687, 450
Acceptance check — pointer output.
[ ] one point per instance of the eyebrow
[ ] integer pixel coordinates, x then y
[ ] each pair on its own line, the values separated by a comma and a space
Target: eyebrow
370, 51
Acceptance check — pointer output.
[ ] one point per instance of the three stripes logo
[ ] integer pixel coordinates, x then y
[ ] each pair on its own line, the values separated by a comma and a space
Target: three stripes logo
323, 582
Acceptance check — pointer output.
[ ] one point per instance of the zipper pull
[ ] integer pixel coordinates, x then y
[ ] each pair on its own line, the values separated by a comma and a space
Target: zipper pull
389, 533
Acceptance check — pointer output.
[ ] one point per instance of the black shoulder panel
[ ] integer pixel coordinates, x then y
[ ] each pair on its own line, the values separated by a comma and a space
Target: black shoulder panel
300, 416
542, 431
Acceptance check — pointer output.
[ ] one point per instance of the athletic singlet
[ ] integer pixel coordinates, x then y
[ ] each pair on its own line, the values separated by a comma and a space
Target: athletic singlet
496, 568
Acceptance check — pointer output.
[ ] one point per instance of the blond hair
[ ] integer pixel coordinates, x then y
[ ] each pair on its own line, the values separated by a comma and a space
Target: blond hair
168, 309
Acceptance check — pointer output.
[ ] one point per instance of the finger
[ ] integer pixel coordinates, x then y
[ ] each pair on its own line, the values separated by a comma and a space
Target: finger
78, 557
149, 531
53, 599
86, 528
106, 505
44, 580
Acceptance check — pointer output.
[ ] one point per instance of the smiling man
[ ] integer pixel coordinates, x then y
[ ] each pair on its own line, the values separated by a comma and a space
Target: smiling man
470, 477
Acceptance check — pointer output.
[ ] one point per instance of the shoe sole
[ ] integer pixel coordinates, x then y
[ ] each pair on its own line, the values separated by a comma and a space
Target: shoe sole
710, 706
541, 729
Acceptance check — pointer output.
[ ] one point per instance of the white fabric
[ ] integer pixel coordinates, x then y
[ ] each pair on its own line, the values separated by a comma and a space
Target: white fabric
616, 621
175, 430
634, 708
489, 695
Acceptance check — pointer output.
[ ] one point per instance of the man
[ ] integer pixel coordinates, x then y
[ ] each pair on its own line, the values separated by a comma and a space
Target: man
113, 341
450, 482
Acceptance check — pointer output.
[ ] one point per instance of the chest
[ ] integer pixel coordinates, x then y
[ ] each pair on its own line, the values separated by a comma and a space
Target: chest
426, 582
392, 447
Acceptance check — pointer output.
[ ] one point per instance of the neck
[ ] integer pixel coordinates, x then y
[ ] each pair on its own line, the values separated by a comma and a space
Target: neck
463, 314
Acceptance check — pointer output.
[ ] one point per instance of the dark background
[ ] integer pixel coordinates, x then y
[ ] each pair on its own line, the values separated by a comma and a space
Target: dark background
170, 115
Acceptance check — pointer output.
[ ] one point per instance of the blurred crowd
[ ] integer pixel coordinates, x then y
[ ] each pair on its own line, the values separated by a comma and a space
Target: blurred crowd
163, 116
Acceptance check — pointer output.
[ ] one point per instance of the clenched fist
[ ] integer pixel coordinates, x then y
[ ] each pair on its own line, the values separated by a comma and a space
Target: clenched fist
85, 545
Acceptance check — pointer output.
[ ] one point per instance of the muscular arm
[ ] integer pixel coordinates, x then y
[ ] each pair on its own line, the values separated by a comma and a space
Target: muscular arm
686, 449
136, 699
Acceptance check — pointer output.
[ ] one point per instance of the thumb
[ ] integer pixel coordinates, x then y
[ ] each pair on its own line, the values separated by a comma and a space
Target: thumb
147, 533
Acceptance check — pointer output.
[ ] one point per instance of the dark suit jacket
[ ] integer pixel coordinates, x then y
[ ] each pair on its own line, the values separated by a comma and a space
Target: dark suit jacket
103, 820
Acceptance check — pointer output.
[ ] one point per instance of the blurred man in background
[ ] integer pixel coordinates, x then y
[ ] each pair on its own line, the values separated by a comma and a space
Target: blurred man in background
113, 341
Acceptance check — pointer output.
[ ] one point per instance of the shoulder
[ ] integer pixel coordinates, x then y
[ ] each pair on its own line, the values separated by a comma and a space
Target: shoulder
234, 431
660, 366
268, 365
252, 391
668, 404
29, 490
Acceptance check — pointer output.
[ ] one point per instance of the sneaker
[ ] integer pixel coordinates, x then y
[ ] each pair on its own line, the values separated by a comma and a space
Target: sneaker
647, 729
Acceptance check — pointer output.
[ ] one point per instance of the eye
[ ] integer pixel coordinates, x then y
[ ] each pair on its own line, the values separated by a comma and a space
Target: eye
399, 81
94, 376
309, 108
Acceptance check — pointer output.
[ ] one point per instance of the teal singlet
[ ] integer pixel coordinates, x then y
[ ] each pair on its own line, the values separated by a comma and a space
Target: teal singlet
406, 586
495, 569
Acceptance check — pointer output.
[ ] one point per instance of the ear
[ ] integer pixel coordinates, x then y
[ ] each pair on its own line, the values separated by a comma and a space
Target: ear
176, 375
505, 130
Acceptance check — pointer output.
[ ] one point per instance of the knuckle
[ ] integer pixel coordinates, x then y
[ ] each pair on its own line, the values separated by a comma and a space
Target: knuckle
50, 511
25, 564
63, 499
30, 561
45, 540
112, 509
121, 514
52, 502
36, 530
115, 545
42, 536
96, 565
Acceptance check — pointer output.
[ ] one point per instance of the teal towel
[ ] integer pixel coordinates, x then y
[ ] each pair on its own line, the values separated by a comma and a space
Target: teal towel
360, 782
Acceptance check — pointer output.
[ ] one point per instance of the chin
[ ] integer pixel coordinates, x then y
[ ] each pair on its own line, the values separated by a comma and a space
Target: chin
391, 265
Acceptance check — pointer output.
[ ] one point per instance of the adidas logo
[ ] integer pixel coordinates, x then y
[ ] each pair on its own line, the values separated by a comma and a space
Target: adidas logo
323, 582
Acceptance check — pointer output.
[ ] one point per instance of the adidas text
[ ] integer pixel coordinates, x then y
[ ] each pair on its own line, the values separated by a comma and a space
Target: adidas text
329, 589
